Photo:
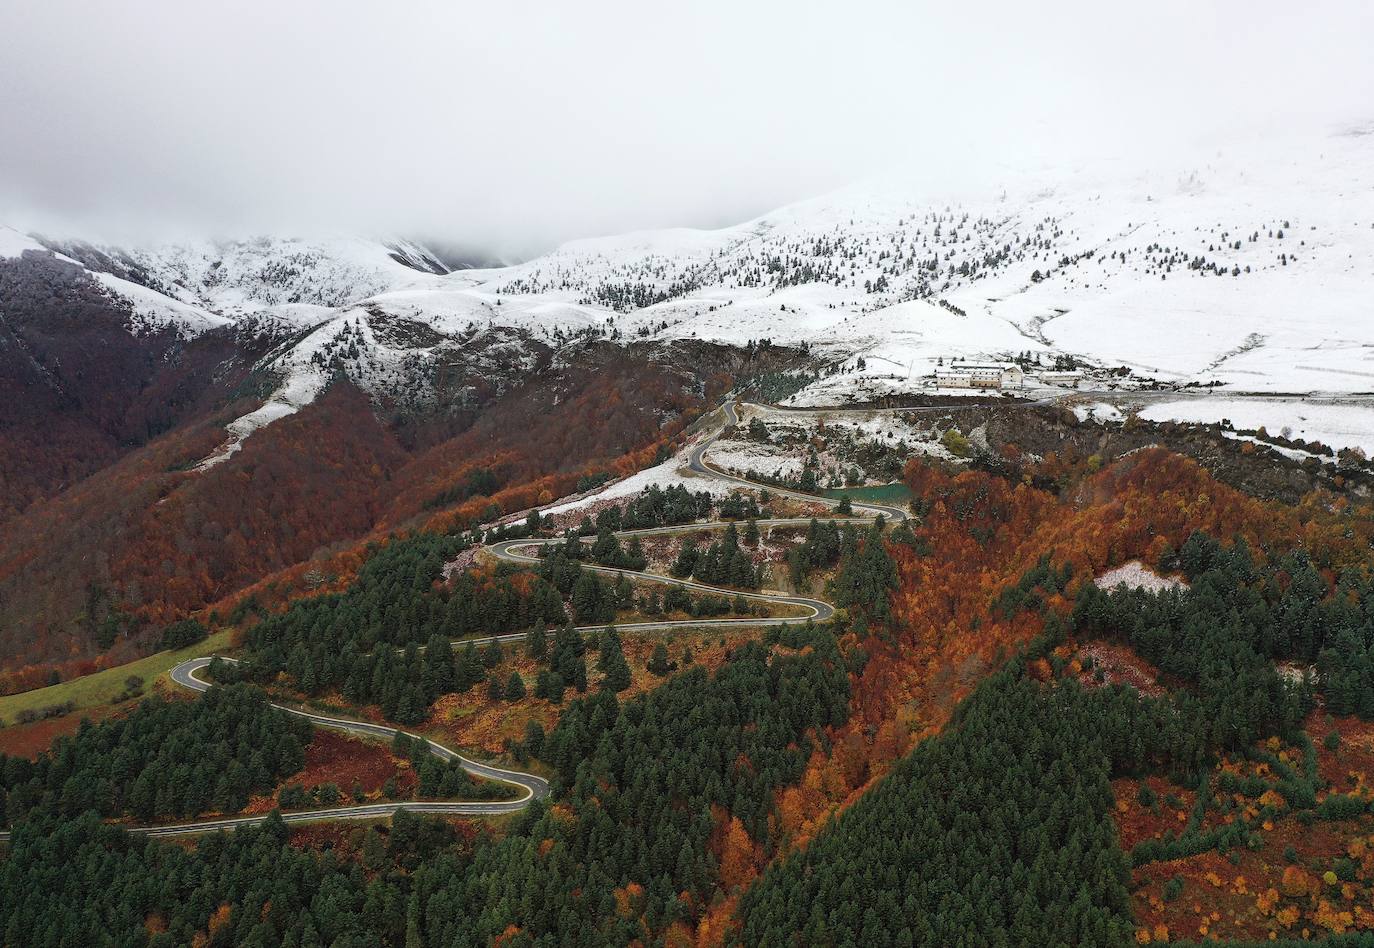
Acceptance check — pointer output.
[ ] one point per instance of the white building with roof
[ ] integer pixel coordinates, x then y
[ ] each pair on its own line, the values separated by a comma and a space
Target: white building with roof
1068, 379
986, 375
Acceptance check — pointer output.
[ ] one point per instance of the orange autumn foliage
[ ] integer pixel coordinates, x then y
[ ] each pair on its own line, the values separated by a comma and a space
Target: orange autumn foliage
1332, 918
507, 934
678, 935
717, 925
737, 856
1297, 882
983, 534
629, 899
219, 919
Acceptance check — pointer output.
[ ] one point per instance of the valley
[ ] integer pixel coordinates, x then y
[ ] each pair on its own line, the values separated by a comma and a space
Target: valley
900, 566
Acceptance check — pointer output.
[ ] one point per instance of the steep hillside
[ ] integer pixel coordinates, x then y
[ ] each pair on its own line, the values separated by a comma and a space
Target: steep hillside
1245, 272
90, 370
159, 534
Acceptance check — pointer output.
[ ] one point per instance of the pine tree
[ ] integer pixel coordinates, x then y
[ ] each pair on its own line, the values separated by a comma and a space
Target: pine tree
866, 578
686, 562
624, 592
534, 738
587, 595
658, 661
470, 668
568, 658
751, 532
611, 662
537, 642
492, 655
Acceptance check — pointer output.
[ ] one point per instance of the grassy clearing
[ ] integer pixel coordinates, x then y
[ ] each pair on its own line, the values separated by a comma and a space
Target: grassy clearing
103, 686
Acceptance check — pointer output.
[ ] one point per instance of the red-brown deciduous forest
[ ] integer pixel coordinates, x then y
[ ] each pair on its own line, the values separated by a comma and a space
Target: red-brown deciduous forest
151, 539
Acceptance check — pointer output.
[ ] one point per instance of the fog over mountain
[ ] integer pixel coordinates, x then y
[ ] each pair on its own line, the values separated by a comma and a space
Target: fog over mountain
510, 129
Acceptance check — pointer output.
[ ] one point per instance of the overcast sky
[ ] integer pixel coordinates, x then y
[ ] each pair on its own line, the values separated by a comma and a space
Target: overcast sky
516, 125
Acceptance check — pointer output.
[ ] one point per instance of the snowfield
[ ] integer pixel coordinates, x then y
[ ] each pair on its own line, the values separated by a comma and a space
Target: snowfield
1333, 423
670, 472
13, 243
1099, 412
792, 433
1249, 268
153, 312
750, 458
297, 392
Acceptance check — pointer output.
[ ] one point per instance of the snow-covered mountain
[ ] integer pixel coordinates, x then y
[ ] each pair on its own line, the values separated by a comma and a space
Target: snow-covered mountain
1252, 270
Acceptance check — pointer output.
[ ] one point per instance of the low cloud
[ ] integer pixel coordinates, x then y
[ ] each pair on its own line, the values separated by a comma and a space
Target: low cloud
510, 127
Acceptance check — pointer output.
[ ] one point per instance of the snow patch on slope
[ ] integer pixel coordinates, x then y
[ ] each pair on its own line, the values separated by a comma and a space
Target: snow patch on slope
674, 471
303, 381
1330, 422
1250, 269
13, 243
1136, 575
299, 391
150, 311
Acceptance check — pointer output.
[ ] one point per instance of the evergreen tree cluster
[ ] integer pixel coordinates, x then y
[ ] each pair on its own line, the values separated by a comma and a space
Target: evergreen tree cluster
1029, 592
1237, 618
998, 831
593, 599
166, 759
740, 505
655, 506
365, 641
676, 599
606, 551
643, 778
567, 665
662, 507
723, 563
611, 662
866, 578
445, 779
826, 541
84, 882
774, 387
993, 833
637, 783
181, 634
482, 482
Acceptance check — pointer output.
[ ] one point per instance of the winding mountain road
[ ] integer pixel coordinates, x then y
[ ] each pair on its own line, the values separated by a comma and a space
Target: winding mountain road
534, 787
697, 462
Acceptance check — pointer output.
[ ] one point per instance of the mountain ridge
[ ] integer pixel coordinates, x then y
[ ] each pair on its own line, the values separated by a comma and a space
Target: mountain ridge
1243, 272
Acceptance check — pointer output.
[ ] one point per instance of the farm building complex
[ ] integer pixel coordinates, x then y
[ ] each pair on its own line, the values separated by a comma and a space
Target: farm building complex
992, 375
